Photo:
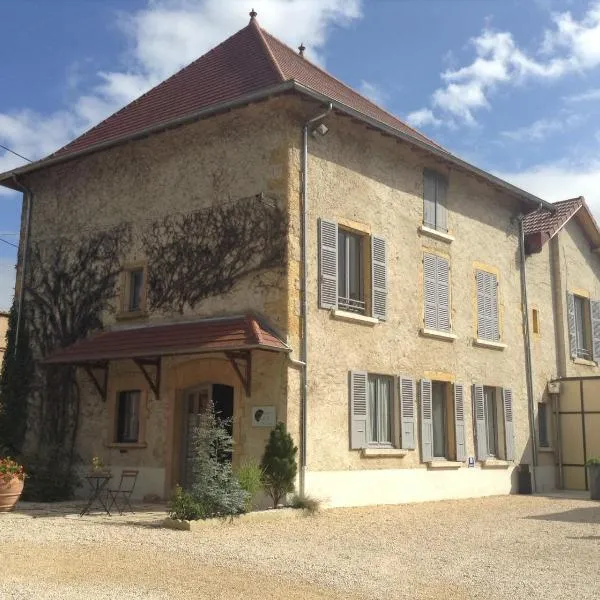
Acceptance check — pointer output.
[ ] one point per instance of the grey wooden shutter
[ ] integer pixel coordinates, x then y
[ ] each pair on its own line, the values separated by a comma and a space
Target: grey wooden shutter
595, 315
480, 429
572, 324
487, 306
328, 264
459, 421
407, 412
429, 192
441, 211
379, 277
509, 429
426, 421
443, 294
430, 291
359, 409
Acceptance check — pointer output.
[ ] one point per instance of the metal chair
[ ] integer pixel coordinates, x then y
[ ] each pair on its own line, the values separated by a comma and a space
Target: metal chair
124, 491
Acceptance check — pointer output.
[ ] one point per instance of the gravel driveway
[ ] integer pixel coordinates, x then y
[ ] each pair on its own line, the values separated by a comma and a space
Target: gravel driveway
506, 547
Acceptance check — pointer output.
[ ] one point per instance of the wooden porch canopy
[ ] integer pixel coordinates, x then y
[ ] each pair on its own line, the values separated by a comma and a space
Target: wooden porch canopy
234, 336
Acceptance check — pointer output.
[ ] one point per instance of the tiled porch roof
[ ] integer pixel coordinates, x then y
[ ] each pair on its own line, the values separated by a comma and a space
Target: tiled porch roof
242, 332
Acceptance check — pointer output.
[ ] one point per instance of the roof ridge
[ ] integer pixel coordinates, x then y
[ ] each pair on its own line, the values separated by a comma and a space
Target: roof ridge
253, 23
328, 74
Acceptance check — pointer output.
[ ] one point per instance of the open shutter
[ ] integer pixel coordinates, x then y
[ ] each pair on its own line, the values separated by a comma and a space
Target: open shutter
443, 294
379, 277
328, 264
430, 291
429, 179
595, 314
407, 412
359, 409
441, 214
480, 430
459, 421
572, 324
426, 421
509, 429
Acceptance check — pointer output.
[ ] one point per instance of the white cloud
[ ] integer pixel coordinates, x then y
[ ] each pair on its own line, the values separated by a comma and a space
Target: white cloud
422, 118
543, 128
7, 282
164, 37
593, 94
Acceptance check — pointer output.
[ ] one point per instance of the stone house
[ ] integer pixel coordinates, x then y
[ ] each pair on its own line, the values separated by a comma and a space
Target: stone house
256, 233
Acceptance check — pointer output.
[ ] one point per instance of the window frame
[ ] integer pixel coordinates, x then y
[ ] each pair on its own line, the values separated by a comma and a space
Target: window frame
390, 380
583, 327
445, 387
125, 308
117, 428
345, 302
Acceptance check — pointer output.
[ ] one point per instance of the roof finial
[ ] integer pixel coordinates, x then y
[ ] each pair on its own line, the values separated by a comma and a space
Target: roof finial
301, 49
253, 15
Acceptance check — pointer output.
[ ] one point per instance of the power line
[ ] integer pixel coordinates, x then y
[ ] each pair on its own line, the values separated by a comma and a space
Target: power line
16, 153
9, 243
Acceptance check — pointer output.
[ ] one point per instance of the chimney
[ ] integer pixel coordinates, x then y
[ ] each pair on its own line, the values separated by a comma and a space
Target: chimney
301, 49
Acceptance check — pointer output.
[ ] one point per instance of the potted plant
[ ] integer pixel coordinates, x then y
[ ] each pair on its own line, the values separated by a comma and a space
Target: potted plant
12, 476
593, 467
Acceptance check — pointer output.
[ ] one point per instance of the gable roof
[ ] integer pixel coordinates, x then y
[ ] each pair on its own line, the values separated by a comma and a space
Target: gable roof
542, 225
249, 66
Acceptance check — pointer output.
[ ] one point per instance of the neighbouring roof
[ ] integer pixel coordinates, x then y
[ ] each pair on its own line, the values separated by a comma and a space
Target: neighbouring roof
249, 66
241, 332
542, 225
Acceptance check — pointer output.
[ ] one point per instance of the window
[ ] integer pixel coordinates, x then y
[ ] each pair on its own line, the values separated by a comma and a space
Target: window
535, 320
543, 425
494, 427
491, 420
351, 293
127, 417
439, 415
133, 285
380, 410
435, 188
487, 306
582, 328
436, 292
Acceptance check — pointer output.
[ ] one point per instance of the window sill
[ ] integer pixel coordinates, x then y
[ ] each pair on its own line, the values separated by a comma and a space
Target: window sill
489, 344
440, 335
127, 445
584, 361
131, 315
443, 464
383, 453
494, 463
434, 233
548, 449
343, 315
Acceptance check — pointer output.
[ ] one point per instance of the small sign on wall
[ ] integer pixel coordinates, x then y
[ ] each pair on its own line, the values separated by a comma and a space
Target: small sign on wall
263, 416
471, 462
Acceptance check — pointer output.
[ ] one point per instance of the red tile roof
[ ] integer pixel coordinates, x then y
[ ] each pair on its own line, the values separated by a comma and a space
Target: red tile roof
245, 332
547, 222
248, 61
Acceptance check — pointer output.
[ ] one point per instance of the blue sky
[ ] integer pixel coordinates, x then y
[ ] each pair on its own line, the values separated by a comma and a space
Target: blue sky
511, 85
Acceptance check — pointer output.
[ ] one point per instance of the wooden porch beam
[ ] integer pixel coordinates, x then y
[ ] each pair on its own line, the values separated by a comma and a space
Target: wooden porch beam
101, 387
154, 383
244, 375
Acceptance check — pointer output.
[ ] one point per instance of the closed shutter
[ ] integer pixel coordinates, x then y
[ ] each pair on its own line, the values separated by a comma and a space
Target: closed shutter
572, 324
509, 429
429, 191
480, 429
328, 264
426, 421
459, 421
443, 294
595, 314
379, 277
407, 412
430, 291
359, 409
441, 212
487, 306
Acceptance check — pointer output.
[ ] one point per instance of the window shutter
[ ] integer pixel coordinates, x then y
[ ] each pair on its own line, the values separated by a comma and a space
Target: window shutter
430, 291
595, 315
441, 215
426, 421
572, 324
509, 430
487, 306
359, 409
480, 430
407, 412
459, 421
429, 192
379, 277
443, 294
328, 264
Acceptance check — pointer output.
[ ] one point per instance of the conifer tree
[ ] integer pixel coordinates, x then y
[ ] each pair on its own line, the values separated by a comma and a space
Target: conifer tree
279, 464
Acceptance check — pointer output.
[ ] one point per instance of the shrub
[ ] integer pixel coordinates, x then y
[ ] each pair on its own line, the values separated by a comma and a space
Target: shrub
593, 461
9, 469
308, 503
184, 507
279, 464
249, 475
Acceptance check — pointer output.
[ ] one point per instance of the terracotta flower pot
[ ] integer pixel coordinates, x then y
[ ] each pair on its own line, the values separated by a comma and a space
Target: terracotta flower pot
10, 493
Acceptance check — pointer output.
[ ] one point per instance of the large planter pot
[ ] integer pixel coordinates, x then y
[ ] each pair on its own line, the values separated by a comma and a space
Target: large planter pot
594, 481
10, 493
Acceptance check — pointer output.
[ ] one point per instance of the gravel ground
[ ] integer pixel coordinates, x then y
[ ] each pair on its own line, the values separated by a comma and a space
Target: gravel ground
495, 548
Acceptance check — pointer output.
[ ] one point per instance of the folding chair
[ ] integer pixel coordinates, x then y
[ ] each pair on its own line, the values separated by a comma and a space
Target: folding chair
124, 491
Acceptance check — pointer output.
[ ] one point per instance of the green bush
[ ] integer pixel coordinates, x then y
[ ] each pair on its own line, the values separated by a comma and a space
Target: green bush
593, 461
249, 475
279, 464
308, 503
184, 507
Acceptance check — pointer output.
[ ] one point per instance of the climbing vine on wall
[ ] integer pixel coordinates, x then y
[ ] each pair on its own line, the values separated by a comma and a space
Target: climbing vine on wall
201, 254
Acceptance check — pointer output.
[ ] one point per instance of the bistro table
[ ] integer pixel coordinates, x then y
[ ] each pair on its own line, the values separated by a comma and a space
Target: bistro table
97, 482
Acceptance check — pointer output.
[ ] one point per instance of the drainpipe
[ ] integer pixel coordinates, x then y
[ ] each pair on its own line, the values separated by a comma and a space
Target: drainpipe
304, 309
528, 360
28, 199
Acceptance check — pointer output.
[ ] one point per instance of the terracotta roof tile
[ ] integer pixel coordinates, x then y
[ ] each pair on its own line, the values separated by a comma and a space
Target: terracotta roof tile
547, 222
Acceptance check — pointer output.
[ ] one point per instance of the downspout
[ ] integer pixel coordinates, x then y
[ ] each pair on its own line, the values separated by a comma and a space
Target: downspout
24, 251
528, 360
304, 310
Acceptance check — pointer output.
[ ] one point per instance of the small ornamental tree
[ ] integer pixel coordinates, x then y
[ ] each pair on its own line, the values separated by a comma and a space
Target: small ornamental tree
279, 464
